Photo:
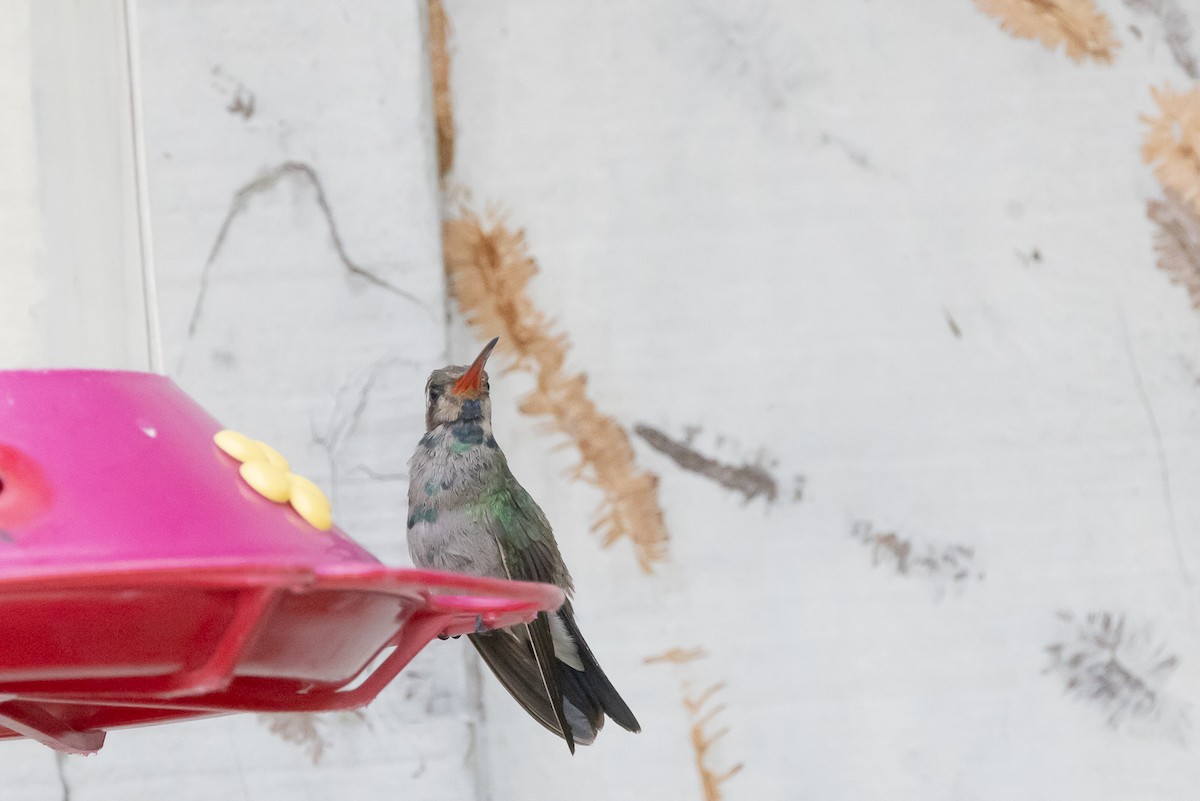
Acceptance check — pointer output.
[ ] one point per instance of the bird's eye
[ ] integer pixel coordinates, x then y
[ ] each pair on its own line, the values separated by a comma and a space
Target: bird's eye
435, 392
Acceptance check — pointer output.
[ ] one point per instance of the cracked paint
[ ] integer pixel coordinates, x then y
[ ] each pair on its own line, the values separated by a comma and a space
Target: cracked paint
265, 183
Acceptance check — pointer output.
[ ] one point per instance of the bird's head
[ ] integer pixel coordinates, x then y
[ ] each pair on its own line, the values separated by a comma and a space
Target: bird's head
457, 394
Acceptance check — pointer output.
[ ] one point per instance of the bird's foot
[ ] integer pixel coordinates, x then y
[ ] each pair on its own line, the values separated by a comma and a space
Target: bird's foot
480, 627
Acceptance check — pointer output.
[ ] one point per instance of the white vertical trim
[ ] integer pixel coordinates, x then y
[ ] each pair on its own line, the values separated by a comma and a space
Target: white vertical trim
80, 288
20, 235
145, 236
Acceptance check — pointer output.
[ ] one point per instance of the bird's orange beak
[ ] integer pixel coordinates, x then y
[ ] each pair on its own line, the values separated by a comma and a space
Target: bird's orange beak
472, 381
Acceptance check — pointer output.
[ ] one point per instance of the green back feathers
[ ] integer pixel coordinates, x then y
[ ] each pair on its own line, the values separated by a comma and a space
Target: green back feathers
506, 503
522, 531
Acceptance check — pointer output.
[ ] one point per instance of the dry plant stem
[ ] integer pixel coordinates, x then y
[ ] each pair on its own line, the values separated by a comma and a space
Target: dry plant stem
702, 715
943, 564
439, 64
1177, 242
749, 480
307, 729
1172, 143
703, 740
301, 729
677, 656
1123, 669
1077, 24
490, 269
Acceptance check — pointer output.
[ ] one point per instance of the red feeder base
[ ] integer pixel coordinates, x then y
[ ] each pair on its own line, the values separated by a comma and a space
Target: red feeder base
150, 646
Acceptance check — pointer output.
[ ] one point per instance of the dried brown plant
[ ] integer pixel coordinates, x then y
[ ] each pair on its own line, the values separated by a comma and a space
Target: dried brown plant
299, 728
1082, 28
750, 480
943, 565
677, 656
1177, 242
439, 64
306, 729
490, 268
703, 739
1172, 143
1123, 669
1177, 30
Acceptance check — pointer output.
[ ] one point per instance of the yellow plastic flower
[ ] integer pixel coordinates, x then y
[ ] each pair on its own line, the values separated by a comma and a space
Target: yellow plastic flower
266, 471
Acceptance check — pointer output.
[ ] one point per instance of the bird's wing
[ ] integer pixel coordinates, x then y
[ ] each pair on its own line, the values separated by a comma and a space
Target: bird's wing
529, 553
509, 657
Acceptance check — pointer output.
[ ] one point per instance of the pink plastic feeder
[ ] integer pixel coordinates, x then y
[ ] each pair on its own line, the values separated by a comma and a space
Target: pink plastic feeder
142, 580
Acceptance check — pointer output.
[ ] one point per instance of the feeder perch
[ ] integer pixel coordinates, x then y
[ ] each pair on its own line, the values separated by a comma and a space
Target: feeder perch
143, 580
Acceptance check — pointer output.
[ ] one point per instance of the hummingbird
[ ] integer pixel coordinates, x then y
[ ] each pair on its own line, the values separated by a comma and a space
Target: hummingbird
468, 514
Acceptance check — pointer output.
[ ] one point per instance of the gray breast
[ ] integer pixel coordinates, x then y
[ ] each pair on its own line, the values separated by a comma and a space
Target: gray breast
443, 534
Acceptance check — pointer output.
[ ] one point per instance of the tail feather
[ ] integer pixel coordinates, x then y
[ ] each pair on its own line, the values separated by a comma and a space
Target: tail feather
577, 694
585, 696
592, 683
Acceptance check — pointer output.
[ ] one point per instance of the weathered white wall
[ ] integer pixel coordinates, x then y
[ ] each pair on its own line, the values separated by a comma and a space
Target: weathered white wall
886, 248
760, 219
